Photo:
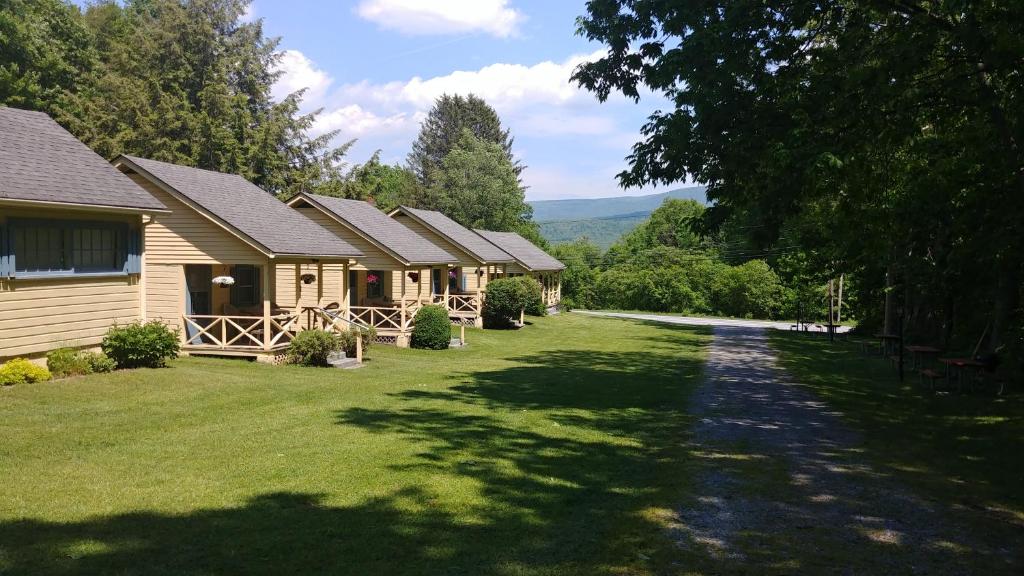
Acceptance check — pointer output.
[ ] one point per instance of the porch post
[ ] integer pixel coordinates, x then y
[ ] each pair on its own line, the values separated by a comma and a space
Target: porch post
447, 283
405, 272
319, 284
298, 287
266, 303
345, 289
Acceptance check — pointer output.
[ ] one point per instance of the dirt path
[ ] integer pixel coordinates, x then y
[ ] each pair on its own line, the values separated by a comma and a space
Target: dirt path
785, 487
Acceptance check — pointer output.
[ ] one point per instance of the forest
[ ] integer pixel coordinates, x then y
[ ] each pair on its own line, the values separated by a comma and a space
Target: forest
881, 138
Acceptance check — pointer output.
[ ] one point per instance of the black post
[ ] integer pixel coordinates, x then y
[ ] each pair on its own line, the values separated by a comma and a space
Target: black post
901, 341
831, 315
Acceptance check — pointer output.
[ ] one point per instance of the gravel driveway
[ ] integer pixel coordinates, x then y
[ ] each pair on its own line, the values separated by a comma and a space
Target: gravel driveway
784, 486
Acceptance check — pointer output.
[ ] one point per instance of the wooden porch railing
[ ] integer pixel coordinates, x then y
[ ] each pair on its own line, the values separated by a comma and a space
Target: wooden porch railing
389, 319
245, 332
461, 304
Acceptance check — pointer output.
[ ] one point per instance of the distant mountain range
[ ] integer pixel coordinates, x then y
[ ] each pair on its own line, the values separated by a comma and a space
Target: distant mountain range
603, 220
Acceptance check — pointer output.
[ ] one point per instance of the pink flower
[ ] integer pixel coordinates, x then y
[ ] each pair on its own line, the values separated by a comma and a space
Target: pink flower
452, 274
372, 278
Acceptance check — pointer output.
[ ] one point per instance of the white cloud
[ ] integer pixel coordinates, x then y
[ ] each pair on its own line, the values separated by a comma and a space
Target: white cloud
354, 121
301, 72
493, 17
504, 86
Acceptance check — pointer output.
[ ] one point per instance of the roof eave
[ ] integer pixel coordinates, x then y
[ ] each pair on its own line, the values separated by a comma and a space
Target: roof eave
84, 207
258, 246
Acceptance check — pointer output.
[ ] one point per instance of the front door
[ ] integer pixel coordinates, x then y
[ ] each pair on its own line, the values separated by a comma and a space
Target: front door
198, 298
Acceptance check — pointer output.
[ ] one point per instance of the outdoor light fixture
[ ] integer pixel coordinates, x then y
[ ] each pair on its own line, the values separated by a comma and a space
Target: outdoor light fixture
479, 271
308, 278
414, 276
224, 281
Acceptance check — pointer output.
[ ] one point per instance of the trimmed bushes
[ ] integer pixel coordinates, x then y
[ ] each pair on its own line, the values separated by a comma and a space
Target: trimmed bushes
21, 371
312, 347
348, 340
65, 362
432, 329
506, 298
139, 345
533, 295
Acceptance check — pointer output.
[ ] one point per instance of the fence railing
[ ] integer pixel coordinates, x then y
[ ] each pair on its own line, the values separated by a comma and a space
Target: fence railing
247, 332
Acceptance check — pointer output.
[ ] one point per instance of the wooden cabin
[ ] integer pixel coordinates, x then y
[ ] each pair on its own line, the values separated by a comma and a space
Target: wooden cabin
71, 240
234, 269
478, 261
530, 261
393, 279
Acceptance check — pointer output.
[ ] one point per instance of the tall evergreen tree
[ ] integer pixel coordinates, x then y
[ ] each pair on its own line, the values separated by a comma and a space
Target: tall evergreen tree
442, 129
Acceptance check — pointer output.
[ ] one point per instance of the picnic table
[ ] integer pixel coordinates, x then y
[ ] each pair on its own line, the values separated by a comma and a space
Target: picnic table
888, 342
960, 365
917, 352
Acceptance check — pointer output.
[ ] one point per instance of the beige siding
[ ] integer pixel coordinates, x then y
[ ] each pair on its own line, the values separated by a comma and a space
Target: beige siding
187, 237
374, 259
467, 264
38, 315
310, 295
165, 293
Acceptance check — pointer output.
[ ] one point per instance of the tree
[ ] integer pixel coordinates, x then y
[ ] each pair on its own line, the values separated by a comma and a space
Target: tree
882, 136
442, 130
581, 259
44, 49
184, 81
389, 186
476, 186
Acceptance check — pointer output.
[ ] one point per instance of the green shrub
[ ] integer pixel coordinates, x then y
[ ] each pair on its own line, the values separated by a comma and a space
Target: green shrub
533, 294
101, 363
64, 362
506, 298
312, 347
348, 339
432, 329
21, 371
139, 345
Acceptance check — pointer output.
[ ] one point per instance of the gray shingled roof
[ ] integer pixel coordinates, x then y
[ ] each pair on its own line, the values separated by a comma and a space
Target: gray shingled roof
249, 209
376, 225
460, 235
42, 162
523, 250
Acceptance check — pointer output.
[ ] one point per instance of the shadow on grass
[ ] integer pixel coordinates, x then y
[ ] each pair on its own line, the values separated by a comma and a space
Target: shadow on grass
569, 455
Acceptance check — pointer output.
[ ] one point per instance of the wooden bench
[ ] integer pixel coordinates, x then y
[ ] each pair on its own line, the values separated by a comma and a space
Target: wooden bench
932, 376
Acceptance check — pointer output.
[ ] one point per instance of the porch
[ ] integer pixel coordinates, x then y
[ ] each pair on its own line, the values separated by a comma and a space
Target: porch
246, 318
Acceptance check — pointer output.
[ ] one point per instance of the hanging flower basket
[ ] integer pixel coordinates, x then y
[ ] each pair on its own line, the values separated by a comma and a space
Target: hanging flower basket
372, 278
224, 281
452, 274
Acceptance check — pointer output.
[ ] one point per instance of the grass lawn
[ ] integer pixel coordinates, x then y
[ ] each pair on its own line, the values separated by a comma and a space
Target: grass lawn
556, 449
960, 450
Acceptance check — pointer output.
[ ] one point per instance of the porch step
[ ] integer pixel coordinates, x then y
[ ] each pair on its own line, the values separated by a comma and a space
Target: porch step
338, 360
346, 363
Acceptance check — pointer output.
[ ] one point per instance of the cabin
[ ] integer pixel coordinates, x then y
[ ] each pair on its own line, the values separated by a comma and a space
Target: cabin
394, 278
478, 261
530, 261
234, 269
71, 240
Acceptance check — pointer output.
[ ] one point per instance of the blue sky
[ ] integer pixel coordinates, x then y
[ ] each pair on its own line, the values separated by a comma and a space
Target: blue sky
375, 67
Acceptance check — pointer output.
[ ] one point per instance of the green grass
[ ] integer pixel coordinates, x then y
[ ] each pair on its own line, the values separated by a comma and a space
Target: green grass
556, 449
960, 450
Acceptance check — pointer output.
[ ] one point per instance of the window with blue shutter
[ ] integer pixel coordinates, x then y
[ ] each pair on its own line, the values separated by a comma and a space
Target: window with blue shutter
44, 248
6, 254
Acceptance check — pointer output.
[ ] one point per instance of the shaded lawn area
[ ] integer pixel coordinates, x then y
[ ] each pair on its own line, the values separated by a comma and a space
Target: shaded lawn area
556, 449
961, 450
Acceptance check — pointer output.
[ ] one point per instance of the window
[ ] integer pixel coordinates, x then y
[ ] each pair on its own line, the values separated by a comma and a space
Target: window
245, 291
374, 289
67, 247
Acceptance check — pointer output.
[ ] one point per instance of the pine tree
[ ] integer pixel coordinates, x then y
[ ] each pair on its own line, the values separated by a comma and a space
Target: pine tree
441, 130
